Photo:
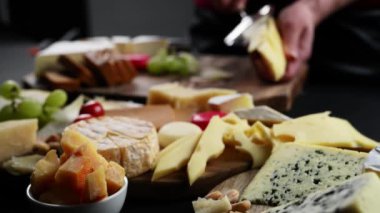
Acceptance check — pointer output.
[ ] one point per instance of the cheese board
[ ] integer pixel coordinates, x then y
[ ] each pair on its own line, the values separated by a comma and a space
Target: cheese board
176, 187
240, 182
243, 78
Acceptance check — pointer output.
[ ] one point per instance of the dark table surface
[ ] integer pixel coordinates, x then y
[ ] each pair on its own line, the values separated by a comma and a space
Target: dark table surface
353, 99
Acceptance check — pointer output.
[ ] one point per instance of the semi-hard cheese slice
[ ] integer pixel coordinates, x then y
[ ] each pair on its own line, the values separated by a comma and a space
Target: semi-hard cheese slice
321, 129
260, 134
17, 137
130, 142
177, 156
295, 170
173, 131
230, 103
259, 152
357, 195
180, 97
209, 146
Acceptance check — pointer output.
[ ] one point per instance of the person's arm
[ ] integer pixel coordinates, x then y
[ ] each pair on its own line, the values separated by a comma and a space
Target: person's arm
297, 24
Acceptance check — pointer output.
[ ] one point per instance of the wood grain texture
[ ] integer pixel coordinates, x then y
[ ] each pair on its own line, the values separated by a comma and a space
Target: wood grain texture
239, 182
176, 185
244, 79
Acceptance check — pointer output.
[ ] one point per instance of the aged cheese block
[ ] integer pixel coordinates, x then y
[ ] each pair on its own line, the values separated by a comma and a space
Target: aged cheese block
357, 195
17, 137
203, 205
180, 97
295, 170
229, 103
209, 146
173, 131
130, 142
321, 129
176, 156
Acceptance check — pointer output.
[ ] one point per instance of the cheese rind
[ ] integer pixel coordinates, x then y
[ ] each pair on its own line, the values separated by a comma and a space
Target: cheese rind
209, 146
230, 103
130, 142
176, 157
295, 170
357, 195
321, 129
12, 143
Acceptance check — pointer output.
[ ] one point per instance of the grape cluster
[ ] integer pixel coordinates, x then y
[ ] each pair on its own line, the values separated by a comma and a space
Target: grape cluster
23, 108
182, 63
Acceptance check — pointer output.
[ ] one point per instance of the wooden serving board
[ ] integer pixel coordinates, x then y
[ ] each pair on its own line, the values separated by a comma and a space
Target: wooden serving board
244, 78
176, 186
240, 182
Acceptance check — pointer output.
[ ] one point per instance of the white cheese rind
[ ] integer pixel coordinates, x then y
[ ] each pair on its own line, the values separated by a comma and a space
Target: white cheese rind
295, 170
357, 195
130, 142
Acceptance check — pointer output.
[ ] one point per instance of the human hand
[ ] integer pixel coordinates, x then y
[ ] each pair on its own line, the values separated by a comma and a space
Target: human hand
229, 6
297, 25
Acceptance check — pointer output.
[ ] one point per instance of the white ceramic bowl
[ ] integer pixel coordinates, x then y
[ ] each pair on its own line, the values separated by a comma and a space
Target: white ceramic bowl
111, 204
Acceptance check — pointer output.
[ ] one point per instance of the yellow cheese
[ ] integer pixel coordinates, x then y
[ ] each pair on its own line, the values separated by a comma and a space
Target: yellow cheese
269, 47
177, 157
180, 97
209, 146
229, 103
259, 153
234, 122
17, 137
260, 134
321, 129
173, 131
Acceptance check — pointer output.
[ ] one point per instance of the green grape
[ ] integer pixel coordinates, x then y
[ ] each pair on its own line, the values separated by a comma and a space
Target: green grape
174, 65
43, 119
156, 63
29, 109
57, 98
155, 66
49, 111
191, 62
7, 113
10, 90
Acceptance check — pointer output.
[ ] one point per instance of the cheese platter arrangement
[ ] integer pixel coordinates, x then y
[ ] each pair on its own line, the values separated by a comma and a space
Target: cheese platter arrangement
206, 130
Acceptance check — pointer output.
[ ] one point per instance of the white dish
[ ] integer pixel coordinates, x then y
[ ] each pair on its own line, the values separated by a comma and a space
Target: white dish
111, 204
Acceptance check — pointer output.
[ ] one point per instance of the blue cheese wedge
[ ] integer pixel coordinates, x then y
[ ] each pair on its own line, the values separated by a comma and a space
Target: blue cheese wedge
295, 170
357, 195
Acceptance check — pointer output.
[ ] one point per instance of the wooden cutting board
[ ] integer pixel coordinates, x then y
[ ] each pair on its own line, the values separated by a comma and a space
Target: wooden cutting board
176, 185
243, 79
240, 182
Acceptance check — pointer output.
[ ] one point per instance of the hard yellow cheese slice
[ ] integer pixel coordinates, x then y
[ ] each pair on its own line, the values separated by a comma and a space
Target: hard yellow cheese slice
176, 157
321, 129
259, 152
209, 146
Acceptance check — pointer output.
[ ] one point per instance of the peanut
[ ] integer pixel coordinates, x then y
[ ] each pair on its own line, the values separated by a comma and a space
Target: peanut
242, 206
233, 195
215, 195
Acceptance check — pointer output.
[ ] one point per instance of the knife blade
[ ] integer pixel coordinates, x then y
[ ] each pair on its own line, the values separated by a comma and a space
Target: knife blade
373, 160
248, 25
